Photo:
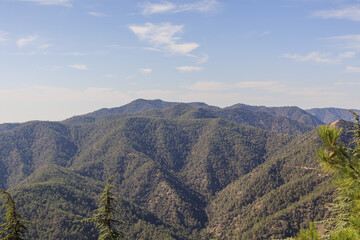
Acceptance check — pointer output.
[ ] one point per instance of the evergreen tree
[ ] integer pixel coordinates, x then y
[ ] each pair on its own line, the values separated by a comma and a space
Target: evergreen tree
309, 233
13, 227
103, 218
344, 164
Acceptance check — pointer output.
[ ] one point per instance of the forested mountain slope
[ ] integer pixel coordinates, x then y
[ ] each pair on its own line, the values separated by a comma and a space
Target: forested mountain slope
185, 171
8, 126
134, 107
291, 112
329, 115
160, 109
277, 198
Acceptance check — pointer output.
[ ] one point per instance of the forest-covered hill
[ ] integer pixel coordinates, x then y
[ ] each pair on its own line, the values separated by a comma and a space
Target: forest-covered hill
181, 171
329, 115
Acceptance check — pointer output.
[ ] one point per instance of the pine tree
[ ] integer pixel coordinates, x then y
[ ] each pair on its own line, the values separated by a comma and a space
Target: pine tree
13, 227
344, 164
103, 218
309, 233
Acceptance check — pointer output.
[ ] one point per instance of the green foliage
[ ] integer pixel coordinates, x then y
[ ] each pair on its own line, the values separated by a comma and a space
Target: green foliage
14, 227
285, 120
188, 171
344, 164
310, 233
347, 233
277, 198
103, 219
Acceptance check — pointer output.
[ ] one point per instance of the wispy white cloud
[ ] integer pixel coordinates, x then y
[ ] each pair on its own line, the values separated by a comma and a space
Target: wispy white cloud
145, 70
23, 42
318, 57
66, 3
164, 37
350, 13
29, 53
97, 14
151, 8
347, 55
351, 84
351, 41
153, 49
45, 46
313, 57
3, 36
202, 59
200, 6
353, 69
121, 46
75, 54
255, 34
189, 68
169, 7
79, 66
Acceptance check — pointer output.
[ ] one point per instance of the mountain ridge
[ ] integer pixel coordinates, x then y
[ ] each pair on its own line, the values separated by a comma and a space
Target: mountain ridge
185, 171
329, 115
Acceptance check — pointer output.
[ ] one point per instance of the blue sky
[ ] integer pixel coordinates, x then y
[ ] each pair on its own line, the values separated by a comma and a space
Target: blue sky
60, 58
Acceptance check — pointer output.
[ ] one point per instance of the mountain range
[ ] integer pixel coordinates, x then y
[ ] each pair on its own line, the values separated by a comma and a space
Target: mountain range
180, 170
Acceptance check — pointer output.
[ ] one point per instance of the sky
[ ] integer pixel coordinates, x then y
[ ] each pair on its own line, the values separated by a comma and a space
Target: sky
60, 58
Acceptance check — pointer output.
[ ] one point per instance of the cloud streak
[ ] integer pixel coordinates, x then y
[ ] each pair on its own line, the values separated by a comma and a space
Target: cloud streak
189, 68
350, 13
203, 59
169, 7
152, 8
97, 14
164, 37
75, 54
318, 57
145, 70
351, 41
3, 36
79, 66
45, 46
23, 42
66, 3
353, 69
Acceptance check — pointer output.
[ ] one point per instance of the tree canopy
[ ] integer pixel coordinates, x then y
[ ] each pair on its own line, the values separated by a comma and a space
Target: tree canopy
104, 217
343, 163
14, 227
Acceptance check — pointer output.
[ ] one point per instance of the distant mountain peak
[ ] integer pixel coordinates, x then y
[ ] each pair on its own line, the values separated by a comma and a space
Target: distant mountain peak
329, 115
